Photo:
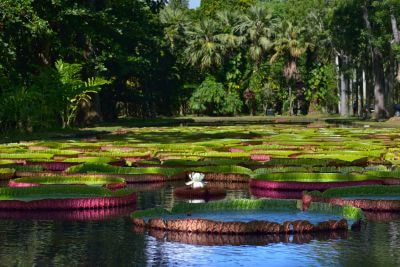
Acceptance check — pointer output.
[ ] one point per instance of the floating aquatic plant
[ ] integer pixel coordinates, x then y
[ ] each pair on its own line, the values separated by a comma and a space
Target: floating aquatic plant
347, 212
370, 190
313, 177
64, 180
196, 180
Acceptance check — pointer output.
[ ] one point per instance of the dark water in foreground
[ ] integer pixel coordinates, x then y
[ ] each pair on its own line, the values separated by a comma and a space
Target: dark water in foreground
113, 242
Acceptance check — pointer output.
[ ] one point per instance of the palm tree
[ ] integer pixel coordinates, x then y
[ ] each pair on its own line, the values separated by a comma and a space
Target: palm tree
257, 27
205, 48
230, 36
176, 20
289, 46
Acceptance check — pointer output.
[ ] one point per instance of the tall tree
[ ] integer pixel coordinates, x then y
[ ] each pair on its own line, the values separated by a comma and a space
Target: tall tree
377, 66
348, 43
289, 46
257, 26
205, 48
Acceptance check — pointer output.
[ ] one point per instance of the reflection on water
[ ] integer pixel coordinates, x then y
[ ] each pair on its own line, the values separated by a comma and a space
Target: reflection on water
68, 243
114, 243
240, 240
382, 216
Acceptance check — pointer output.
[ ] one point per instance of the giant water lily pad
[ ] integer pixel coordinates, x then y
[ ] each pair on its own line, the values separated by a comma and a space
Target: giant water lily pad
91, 180
63, 197
314, 181
243, 216
6, 173
371, 198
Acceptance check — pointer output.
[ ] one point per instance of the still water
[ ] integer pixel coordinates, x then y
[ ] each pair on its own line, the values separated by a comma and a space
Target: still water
38, 239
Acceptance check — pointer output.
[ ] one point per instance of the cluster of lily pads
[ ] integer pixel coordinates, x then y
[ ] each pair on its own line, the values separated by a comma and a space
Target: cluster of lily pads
277, 161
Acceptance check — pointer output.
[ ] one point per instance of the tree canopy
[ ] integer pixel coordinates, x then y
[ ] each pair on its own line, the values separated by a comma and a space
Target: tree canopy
66, 63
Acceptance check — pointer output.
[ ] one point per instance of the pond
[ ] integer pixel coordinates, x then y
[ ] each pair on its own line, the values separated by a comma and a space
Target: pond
230, 157
113, 242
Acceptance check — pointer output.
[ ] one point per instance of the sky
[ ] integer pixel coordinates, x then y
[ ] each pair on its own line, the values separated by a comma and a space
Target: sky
194, 3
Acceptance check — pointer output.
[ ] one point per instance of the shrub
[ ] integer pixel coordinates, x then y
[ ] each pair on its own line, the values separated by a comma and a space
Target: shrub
210, 98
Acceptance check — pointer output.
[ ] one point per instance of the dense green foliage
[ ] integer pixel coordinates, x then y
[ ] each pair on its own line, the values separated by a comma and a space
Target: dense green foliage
64, 63
290, 55
210, 98
53, 53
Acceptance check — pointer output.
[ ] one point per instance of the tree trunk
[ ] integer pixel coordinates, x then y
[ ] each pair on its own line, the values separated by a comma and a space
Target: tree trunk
378, 71
358, 91
379, 85
350, 95
338, 80
44, 53
364, 90
390, 85
344, 111
290, 102
396, 34
396, 39
344, 103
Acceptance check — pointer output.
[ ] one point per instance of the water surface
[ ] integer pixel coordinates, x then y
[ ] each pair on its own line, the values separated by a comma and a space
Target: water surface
114, 242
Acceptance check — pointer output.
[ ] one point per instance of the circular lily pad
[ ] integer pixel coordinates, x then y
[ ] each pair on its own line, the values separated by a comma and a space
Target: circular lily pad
370, 198
311, 181
6, 173
63, 197
246, 216
106, 181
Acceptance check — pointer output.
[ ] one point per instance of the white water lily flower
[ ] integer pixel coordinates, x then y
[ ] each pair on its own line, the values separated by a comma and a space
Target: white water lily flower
196, 180
196, 201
